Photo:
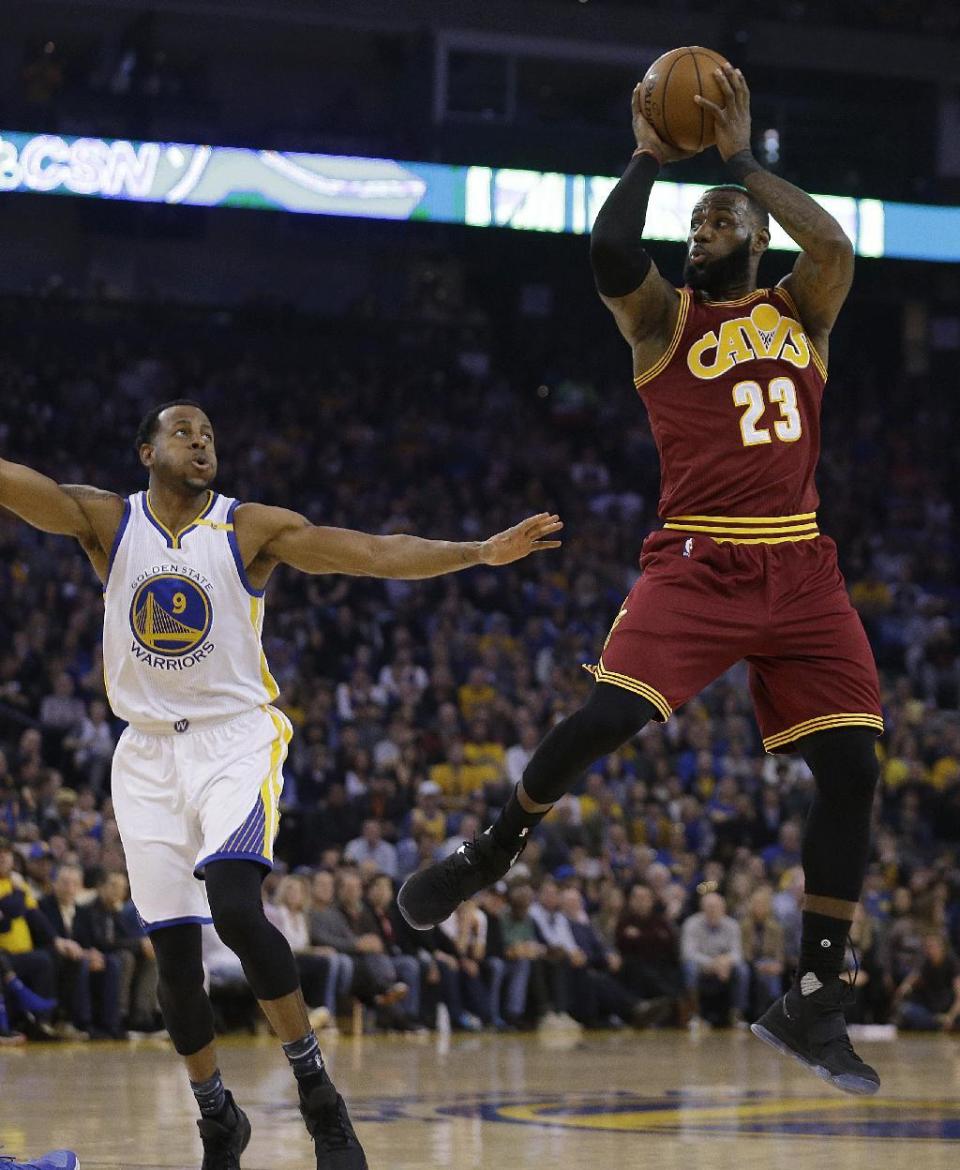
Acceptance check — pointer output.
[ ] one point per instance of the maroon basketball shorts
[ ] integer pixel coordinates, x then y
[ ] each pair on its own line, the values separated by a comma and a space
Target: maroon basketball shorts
701, 604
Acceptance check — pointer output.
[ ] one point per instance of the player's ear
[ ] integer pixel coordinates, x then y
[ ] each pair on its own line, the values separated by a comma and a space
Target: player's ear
761, 240
146, 454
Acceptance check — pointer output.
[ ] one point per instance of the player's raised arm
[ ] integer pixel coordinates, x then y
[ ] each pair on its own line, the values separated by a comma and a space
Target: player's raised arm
269, 536
643, 304
823, 273
88, 514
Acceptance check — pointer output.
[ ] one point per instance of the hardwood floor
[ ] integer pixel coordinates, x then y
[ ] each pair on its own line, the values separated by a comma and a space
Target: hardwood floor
611, 1101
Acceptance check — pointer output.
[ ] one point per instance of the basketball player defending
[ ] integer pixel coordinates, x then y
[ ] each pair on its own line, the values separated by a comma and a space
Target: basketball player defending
197, 774
732, 377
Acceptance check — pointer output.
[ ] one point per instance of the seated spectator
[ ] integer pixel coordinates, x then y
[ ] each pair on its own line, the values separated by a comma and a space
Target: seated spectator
348, 925
468, 995
88, 981
92, 743
762, 939
600, 998
713, 967
929, 998
563, 955
102, 926
371, 847
27, 971
647, 942
522, 949
323, 974
380, 897
903, 940
427, 818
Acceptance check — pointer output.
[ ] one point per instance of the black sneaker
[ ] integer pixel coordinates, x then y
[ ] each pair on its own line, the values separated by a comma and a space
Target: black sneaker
811, 1029
431, 895
224, 1142
324, 1112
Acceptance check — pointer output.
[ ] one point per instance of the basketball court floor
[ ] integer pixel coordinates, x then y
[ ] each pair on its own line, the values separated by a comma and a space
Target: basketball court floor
608, 1101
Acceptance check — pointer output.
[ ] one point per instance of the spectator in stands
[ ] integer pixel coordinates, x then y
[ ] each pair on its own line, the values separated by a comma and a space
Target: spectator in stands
929, 998
522, 949
648, 943
88, 981
320, 970
468, 993
599, 997
102, 926
903, 943
563, 956
375, 980
27, 970
371, 847
715, 975
380, 896
762, 942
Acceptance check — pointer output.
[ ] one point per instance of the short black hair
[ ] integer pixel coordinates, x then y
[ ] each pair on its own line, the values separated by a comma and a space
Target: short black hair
147, 430
758, 213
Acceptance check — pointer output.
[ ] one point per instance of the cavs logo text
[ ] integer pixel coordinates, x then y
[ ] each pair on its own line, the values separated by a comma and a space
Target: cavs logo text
170, 617
764, 334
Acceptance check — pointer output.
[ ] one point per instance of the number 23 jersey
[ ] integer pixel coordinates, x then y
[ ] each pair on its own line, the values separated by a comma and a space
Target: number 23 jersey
182, 623
734, 406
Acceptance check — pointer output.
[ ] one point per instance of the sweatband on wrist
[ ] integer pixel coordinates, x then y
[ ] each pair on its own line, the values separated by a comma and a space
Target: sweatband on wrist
742, 164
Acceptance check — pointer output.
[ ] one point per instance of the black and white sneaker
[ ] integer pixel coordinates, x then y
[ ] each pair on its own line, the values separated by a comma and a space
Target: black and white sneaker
812, 1030
325, 1114
224, 1141
431, 895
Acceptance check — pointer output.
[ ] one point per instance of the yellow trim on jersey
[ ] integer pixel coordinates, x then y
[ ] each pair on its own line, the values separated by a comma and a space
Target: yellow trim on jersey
749, 529
256, 620
822, 723
176, 537
664, 359
748, 519
217, 525
651, 694
273, 785
757, 292
792, 305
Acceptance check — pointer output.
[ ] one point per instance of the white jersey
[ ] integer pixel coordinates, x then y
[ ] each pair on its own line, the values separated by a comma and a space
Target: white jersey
182, 624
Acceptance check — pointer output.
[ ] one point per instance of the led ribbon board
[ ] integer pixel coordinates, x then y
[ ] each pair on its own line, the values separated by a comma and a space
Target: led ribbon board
376, 188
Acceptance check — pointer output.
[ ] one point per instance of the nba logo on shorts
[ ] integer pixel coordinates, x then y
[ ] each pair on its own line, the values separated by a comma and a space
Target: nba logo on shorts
688, 546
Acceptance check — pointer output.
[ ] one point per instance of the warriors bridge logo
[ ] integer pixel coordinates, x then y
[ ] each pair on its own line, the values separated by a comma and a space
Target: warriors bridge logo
764, 334
170, 617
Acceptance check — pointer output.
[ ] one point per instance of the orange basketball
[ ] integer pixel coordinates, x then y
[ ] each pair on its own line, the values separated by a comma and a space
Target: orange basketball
667, 92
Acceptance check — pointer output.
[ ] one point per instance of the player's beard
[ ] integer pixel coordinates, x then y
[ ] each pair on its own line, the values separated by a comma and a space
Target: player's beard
719, 276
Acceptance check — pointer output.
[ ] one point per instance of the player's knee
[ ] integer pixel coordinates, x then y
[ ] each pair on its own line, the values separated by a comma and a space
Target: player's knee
235, 923
179, 960
614, 715
844, 764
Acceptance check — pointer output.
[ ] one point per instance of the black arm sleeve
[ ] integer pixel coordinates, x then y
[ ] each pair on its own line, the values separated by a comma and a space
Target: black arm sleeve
619, 261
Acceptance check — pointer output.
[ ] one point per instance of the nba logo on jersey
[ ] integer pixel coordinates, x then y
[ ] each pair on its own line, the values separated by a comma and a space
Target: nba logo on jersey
170, 614
688, 546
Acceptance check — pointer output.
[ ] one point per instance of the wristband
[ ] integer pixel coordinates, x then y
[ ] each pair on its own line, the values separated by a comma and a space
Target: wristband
648, 150
742, 164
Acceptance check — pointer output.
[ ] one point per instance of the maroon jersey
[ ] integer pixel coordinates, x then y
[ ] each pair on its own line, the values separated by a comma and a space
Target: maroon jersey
734, 407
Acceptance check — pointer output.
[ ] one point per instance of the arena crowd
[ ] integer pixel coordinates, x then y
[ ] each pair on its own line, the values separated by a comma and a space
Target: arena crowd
665, 890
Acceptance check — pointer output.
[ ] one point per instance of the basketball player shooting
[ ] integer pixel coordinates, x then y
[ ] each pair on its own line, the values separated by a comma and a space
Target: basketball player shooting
197, 773
732, 376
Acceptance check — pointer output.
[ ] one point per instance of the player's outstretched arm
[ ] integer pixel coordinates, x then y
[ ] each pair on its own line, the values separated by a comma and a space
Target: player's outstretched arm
269, 536
823, 273
644, 305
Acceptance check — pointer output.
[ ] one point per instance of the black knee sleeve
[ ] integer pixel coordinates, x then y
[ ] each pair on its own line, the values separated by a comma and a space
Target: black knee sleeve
836, 844
233, 888
186, 1009
604, 723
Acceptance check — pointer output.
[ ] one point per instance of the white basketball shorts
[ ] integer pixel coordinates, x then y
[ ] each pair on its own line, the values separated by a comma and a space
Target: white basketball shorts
184, 800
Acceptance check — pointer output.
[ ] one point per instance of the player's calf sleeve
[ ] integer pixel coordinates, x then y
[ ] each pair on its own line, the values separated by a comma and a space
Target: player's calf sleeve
836, 844
604, 723
233, 889
187, 1013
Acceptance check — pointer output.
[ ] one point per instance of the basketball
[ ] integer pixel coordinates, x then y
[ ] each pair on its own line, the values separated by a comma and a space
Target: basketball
668, 89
